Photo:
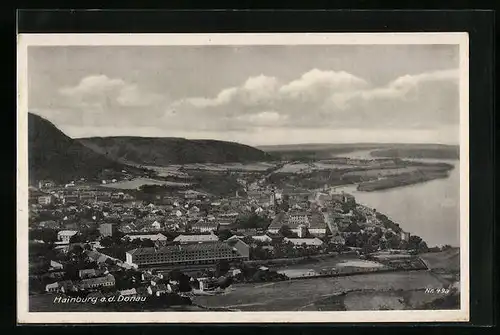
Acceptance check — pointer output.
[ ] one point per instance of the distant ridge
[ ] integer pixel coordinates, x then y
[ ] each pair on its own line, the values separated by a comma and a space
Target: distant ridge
170, 150
53, 155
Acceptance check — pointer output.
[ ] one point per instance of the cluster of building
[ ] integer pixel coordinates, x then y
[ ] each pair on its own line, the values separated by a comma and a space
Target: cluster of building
196, 220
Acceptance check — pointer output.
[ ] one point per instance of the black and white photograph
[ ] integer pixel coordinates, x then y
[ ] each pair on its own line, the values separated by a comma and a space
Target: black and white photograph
208, 177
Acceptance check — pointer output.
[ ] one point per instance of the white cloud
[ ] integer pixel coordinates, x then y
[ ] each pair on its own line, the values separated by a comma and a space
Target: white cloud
91, 85
316, 83
325, 99
411, 95
100, 93
263, 119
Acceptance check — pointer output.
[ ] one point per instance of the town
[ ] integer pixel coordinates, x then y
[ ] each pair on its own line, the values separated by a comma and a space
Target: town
87, 241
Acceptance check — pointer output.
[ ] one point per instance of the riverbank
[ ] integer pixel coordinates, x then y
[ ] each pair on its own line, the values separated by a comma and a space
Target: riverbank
405, 179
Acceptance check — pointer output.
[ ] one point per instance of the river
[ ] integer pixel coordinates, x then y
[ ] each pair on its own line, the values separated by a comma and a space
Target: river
430, 210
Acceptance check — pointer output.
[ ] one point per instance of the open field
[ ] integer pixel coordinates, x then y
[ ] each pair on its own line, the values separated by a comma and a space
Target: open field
374, 173
448, 260
168, 171
138, 182
243, 167
329, 263
296, 294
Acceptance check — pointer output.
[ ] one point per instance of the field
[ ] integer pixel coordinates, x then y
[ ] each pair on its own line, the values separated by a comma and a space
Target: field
329, 263
315, 166
374, 173
300, 294
138, 182
448, 260
168, 171
243, 167
295, 168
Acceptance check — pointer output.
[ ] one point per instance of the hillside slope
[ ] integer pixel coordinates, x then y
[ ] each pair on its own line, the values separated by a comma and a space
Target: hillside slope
165, 151
53, 155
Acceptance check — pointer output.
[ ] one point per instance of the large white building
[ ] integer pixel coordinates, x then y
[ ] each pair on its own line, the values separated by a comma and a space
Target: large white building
196, 238
192, 253
65, 235
298, 220
316, 242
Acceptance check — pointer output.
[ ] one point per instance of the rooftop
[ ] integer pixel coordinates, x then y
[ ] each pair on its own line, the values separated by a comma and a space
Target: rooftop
180, 248
196, 238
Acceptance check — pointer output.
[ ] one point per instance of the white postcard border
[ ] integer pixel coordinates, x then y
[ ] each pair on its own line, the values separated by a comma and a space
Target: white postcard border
25, 40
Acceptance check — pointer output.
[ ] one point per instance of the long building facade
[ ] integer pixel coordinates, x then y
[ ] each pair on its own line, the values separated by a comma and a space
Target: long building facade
200, 253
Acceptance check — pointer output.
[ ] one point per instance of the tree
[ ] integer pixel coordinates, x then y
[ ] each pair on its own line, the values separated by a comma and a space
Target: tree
147, 243
353, 227
76, 250
285, 231
77, 238
393, 241
106, 242
221, 268
224, 282
225, 234
46, 235
416, 243
351, 240
183, 279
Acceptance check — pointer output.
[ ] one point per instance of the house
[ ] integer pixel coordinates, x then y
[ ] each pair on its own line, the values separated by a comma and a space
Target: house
405, 236
205, 227
46, 184
106, 229
65, 235
45, 200
55, 265
196, 238
71, 199
87, 273
157, 238
129, 292
262, 238
313, 242
225, 221
91, 283
53, 287
62, 286
156, 225
208, 284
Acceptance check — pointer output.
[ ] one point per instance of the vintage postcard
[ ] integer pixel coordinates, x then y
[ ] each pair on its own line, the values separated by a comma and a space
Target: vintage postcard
174, 178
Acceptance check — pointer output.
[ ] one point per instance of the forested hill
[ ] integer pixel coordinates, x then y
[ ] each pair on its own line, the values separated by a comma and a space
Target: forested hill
53, 155
169, 150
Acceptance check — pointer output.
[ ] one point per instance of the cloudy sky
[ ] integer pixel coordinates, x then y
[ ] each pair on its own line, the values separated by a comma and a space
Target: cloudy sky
256, 95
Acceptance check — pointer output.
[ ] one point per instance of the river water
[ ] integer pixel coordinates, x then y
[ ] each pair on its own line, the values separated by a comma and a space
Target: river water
430, 210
